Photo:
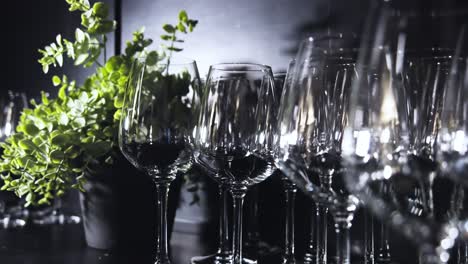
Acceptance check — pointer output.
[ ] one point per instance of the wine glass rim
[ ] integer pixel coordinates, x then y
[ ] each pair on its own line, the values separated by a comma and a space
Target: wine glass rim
240, 67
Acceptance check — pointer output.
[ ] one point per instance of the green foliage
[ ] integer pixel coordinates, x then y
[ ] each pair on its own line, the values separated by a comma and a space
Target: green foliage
60, 137
181, 27
89, 41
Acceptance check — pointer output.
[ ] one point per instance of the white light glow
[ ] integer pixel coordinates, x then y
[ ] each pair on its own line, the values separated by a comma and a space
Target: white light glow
387, 172
388, 110
7, 131
444, 257
363, 141
385, 135
288, 139
459, 142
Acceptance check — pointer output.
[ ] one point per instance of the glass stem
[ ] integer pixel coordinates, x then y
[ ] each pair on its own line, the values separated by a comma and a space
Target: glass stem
162, 253
310, 256
253, 236
368, 238
322, 221
384, 255
57, 205
463, 252
342, 227
290, 194
322, 233
238, 196
224, 245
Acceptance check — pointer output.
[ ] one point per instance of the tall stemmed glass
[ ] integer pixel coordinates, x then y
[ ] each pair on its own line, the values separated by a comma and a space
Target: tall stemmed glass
389, 155
302, 145
233, 136
307, 71
452, 140
339, 71
282, 82
156, 127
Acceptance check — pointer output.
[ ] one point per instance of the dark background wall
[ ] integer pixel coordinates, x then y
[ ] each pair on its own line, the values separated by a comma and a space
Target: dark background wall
29, 26
261, 31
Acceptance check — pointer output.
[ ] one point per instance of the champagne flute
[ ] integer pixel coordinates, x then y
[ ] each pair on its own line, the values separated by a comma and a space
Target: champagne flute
156, 127
233, 135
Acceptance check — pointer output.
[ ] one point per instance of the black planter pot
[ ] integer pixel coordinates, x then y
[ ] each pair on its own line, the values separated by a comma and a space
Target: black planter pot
119, 208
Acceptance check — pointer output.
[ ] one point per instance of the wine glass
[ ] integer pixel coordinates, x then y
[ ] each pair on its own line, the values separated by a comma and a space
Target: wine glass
233, 136
303, 90
12, 211
388, 152
156, 126
452, 139
254, 246
282, 82
301, 121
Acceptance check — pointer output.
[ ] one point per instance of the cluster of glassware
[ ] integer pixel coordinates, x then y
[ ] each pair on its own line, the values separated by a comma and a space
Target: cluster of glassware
379, 121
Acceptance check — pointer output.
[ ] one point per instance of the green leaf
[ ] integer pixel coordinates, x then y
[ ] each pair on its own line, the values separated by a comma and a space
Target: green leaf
100, 10
175, 49
57, 156
62, 94
59, 59
79, 35
31, 129
81, 58
152, 58
181, 28
84, 97
44, 98
167, 37
168, 28
113, 63
58, 38
183, 16
117, 114
26, 144
63, 119
191, 24
119, 101
60, 140
79, 122
56, 80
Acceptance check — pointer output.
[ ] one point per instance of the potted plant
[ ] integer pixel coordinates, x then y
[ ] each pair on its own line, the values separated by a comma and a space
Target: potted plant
70, 141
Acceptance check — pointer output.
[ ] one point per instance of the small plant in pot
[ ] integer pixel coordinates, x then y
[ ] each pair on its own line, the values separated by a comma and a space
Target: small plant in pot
70, 140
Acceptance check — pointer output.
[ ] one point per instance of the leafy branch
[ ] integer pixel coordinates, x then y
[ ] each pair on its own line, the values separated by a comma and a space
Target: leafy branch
89, 41
182, 26
59, 138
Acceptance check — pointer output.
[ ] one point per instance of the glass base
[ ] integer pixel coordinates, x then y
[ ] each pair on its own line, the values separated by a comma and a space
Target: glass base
57, 219
289, 261
9, 222
260, 249
163, 261
218, 259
